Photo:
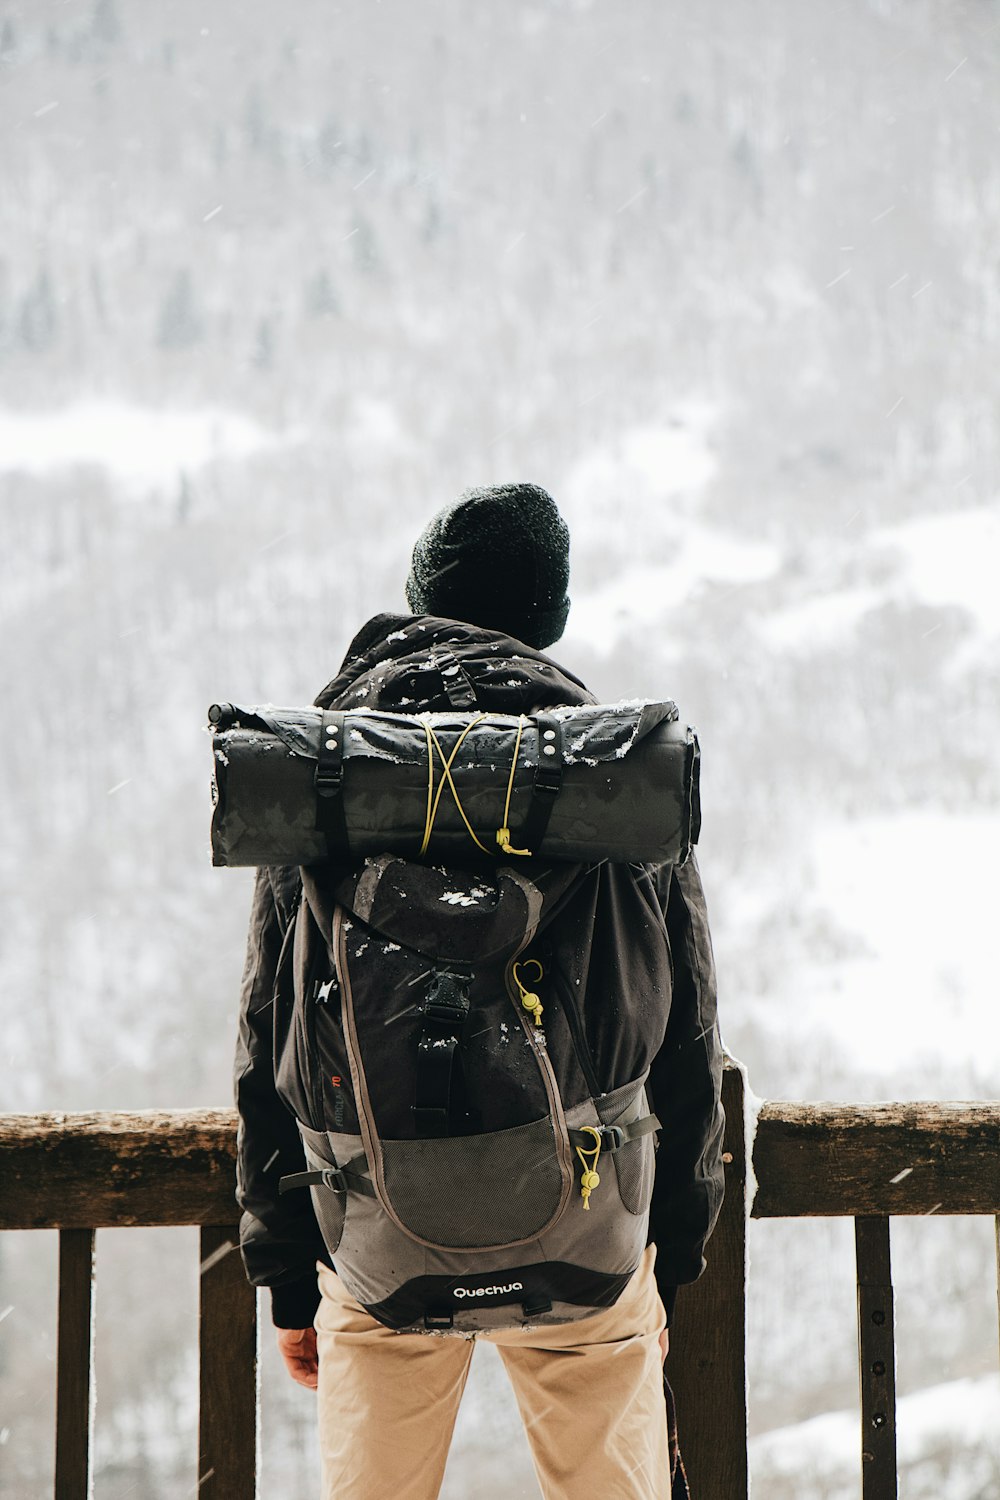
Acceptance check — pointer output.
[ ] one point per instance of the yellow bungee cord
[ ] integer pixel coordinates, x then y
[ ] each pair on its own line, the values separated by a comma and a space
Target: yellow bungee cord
591, 1178
434, 743
529, 999
434, 799
503, 833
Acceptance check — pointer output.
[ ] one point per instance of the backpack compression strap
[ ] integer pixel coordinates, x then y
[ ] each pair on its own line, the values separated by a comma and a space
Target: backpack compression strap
614, 1137
445, 1012
338, 1179
330, 816
548, 781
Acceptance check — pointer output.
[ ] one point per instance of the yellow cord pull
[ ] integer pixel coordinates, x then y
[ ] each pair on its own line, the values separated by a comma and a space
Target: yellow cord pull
503, 834
503, 839
529, 999
591, 1178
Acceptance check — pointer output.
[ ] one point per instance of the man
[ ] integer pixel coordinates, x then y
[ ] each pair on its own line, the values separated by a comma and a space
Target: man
489, 575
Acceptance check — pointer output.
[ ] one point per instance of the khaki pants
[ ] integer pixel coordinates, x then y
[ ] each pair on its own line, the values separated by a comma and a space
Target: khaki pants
590, 1395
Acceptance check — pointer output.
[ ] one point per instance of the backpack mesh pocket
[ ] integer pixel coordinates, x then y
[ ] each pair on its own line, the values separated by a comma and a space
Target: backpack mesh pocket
330, 1209
634, 1162
476, 1191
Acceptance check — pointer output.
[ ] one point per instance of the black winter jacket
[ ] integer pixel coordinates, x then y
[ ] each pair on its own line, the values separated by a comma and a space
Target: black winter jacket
275, 1073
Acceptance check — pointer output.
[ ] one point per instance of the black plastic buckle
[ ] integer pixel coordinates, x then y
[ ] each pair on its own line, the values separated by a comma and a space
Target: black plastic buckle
443, 1009
328, 783
439, 1318
535, 1305
334, 1180
448, 998
612, 1137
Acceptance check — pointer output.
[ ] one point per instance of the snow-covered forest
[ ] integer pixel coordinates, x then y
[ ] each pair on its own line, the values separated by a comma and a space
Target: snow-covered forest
275, 283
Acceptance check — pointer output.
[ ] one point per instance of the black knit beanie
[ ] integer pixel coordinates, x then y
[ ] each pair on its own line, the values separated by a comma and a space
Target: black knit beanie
498, 557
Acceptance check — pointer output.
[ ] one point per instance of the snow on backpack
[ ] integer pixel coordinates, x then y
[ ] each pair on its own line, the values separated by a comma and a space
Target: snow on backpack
581, 783
467, 1170
472, 1036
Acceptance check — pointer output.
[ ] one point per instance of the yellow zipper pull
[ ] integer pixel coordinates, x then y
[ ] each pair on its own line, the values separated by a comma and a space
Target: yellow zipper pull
529, 999
591, 1177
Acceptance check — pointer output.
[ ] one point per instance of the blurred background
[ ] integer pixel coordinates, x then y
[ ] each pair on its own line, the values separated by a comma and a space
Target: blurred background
278, 281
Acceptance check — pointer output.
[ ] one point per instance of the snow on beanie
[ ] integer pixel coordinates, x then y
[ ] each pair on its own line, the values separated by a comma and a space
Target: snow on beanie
498, 557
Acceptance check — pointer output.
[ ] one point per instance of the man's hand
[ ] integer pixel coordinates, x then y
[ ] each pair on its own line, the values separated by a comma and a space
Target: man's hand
664, 1343
298, 1350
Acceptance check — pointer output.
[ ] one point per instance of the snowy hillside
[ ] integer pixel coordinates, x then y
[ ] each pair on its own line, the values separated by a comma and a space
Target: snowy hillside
271, 291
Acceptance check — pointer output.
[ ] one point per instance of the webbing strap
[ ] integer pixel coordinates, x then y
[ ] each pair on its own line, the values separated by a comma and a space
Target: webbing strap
455, 684
337, 1179
445, 1012
331, 819
614, 1137
548, 780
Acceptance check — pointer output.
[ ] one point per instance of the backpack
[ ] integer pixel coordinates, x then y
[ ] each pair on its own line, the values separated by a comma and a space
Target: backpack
468, 1169
469, 1046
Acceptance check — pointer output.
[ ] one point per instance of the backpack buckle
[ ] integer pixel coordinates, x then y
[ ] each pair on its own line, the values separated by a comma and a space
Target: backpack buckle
441, 1008
330, 781
448, 998
612, 1137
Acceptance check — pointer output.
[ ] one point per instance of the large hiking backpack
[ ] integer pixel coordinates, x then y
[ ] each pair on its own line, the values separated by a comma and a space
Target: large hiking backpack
468, 1168
469, 1044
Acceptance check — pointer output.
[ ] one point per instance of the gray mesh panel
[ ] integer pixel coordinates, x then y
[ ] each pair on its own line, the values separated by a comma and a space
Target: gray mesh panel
634, 1162
329, 1207
464, 1192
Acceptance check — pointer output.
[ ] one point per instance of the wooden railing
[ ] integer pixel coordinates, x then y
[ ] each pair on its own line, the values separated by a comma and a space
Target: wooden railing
77, 1173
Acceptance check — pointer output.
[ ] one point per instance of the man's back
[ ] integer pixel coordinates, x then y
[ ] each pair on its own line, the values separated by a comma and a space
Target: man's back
613, 960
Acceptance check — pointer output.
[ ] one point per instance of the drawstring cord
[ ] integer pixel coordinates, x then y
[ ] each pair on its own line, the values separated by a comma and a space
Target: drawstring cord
529, 999
503, 833
433, 741
590, 1179
434, 800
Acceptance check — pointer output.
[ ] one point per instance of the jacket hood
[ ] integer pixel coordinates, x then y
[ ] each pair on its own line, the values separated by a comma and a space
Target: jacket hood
423, 663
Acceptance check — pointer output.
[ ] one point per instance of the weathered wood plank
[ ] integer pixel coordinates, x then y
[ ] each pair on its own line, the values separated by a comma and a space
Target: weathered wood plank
707, 1361
178, 1166
883, 1159
74, 1404
76, 1171
227, 1342
876, 1360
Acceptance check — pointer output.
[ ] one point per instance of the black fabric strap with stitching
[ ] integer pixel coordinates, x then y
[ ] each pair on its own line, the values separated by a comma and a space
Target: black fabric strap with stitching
444, 1015
455, 683
331, 819
613, 1137
339, 1179
548, 780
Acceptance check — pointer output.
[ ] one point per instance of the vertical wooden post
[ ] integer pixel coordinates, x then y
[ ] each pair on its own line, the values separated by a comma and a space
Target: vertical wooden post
227, 1344
876, 1359
74, 1405
707, 1361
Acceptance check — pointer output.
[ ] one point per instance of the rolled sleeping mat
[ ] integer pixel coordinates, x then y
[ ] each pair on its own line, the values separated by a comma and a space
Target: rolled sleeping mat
295, 786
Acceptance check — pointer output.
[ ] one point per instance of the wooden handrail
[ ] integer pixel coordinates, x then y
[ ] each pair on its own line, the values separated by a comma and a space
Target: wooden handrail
114, 1170
856, 1160
79, 1172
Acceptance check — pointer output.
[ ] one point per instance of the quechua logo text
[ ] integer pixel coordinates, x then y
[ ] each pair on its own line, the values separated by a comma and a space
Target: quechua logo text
488, 1291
